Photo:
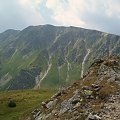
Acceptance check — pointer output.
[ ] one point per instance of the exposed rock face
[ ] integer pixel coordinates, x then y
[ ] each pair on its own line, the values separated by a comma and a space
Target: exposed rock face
95, 97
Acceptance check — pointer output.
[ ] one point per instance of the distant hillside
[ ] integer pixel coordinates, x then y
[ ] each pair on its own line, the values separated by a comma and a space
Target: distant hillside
47, 56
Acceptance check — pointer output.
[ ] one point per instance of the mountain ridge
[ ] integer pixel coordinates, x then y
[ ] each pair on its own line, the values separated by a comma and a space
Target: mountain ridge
95, 97
63, 27
27, 53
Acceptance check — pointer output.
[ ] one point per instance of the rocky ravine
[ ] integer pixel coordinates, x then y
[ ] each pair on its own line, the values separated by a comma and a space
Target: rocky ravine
95, 97
83, 63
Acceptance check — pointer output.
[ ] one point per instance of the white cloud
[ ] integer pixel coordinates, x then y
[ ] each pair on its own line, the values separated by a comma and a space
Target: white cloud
52, 3
24, 2
102, 15
30, 3
29, 11
113, 8
63, 13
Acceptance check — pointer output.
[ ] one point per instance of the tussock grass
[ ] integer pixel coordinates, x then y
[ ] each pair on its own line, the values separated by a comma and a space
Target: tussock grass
26, 101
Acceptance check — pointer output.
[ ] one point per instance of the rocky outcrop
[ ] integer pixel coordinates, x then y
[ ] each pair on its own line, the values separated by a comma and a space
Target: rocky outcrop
95, 97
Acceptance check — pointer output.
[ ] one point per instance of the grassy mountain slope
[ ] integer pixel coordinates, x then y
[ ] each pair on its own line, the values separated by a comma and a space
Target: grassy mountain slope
25, 101
48, 56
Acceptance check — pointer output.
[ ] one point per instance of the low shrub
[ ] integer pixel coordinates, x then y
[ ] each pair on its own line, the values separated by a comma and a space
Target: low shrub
11, 104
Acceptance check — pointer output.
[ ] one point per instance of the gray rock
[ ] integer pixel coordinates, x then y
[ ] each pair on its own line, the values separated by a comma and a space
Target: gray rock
51, 104
93, 117
65, 105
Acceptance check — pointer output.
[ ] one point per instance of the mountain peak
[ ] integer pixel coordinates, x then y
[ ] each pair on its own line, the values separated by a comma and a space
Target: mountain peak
10, 31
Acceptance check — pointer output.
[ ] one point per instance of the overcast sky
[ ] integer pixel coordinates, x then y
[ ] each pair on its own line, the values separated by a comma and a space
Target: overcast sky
102, 15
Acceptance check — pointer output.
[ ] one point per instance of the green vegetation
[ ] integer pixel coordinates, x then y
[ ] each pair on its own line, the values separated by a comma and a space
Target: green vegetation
25, 54
25, 102
11, 104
